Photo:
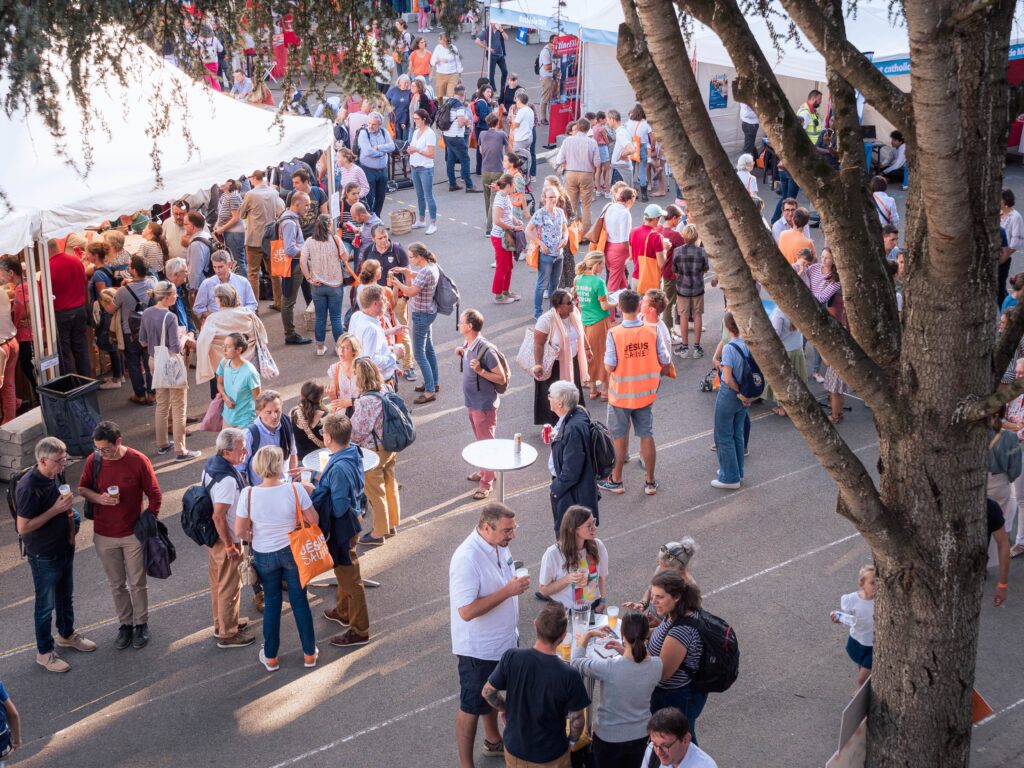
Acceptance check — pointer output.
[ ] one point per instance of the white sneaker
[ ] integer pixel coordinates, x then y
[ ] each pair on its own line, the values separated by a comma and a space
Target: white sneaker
431, 228
321, 350
716, 483
418, 224
494, 264
111, 384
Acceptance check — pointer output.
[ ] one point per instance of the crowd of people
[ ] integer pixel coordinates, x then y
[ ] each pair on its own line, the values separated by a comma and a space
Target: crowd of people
614, 306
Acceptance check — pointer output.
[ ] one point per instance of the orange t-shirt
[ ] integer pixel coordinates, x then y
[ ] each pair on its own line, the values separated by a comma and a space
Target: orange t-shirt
419, 63
791, 242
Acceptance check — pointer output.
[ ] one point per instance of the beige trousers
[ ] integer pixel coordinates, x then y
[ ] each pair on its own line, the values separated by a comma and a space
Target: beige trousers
125, 566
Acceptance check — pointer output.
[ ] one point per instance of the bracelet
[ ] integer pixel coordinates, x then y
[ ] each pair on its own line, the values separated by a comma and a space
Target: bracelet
1002, 586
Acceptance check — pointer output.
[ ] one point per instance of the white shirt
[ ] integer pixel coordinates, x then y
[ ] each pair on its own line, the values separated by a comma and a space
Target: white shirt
791, 338
174, 233
898, 160
695, 757
457, 130
547, 70
623, 141
273, 514
886, 207
748, 181
1013, 223
641, 129
524, 122
618, 222
225, 492
375, 342
444, 60
863, 611
478, 569
552, 568
422, 141
782, 225
747, 115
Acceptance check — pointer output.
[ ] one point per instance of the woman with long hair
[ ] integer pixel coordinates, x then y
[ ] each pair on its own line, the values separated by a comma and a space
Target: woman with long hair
307, 416
445, 59
321, 261
626, 683
548, 230
422, 149
618, 223
562, 327
238, 383
341, 376
483, 103
419, 288
643, 137
154, 248
504, 258
574, 569
568, 275
678, 644
592, 298
267, 514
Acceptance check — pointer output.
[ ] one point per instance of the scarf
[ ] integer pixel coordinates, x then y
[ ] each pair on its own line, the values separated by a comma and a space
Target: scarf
565, 355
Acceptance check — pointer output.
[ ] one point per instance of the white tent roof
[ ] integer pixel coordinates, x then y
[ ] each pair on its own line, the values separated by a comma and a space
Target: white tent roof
51, 198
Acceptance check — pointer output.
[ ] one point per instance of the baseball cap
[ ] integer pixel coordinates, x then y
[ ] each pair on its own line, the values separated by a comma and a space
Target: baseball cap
653, 211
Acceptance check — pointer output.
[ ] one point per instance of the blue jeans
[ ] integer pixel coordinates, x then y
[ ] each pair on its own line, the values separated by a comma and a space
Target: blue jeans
378, 181
423, 348
787, 188
456, 150
272, 567
730, 416
235, 241
137, 362
327, 302
689, 702
54, 583
548, 271
641, 171
423, 181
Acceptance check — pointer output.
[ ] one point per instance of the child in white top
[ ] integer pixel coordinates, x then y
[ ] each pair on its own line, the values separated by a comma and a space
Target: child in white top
861, 606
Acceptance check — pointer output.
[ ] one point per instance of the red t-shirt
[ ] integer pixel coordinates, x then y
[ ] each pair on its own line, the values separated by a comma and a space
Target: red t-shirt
667, 273
644, 240
67, 276
134, 476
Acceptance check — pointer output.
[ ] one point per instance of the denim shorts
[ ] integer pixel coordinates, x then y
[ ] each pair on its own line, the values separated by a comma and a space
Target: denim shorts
859, 654
473, 674
605, 155
642, 419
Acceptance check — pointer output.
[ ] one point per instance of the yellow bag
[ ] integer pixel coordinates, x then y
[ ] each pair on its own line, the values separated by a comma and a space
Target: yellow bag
533, 255
280, 262
309, 547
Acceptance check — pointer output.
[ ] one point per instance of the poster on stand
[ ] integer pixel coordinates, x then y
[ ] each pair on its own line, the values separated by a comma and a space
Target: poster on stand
718, 92
567, 64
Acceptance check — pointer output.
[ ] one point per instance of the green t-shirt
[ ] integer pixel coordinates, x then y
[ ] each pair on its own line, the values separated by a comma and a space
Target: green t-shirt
238, 385
590, 288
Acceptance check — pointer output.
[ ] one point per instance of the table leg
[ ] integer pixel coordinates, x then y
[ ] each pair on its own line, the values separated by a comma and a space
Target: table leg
501, 486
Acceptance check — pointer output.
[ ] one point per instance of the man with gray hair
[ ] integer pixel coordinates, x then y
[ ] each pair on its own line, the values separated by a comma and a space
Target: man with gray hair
223, 273
374, 146
224, 484
46, 526
290, 230
483, 592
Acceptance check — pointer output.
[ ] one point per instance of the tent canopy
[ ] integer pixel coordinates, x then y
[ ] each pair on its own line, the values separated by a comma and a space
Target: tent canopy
51, 197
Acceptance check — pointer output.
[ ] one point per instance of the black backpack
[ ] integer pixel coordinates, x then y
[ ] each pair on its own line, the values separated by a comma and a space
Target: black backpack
12, 504
214, 246
443, 116
536, 65
97, 465
751, 383
720, 660
135, 318
603, 449
197, 512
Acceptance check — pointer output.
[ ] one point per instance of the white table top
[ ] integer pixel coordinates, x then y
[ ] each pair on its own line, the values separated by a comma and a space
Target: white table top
498, 455
311, 461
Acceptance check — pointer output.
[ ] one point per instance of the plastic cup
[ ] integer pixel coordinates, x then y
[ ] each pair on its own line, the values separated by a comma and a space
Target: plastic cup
324, 458
306, 476
522, 572
613, 616
64, 490
114, 492
565, 648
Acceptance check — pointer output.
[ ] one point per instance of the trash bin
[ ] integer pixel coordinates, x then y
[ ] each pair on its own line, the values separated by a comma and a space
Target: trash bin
71, 411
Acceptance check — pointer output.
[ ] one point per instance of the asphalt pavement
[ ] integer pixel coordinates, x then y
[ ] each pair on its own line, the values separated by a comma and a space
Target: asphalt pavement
774, 558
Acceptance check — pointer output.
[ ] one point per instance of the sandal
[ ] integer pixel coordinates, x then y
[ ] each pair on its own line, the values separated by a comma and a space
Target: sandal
779, 411
474, 478
481, 494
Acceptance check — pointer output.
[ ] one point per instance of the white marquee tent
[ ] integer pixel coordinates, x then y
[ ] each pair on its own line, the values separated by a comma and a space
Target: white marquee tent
798, 66
49, 197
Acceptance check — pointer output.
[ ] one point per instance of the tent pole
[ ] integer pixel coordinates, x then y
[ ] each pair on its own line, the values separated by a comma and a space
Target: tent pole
41, 313
490, 42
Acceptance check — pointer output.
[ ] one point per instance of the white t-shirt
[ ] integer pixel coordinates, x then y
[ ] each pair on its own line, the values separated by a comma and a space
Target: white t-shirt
422, 141
618, 222
524, 122
695, 757
545, 324
641, 129
623, 142
748, 181
747, 115
446, 62
547, 69
478, 569
863, 629
225, 492
273, 514
552, 568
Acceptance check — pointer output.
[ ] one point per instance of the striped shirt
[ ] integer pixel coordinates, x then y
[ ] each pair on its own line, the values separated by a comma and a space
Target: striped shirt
579, 154
822, 288
686, 636
344, 176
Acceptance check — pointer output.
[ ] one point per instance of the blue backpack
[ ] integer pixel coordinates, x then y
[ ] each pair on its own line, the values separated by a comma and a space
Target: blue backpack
397, 431
751, 382
6, 739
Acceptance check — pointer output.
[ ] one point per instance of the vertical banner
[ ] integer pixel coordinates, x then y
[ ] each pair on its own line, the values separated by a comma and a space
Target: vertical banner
718, 92
567, 64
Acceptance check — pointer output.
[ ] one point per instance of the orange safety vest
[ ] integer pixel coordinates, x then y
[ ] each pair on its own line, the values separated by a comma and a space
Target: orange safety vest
634, 384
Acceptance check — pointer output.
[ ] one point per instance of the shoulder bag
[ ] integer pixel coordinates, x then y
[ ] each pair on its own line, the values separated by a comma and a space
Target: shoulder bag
648, 271
526, 360
246, 570
169, 371
309, 546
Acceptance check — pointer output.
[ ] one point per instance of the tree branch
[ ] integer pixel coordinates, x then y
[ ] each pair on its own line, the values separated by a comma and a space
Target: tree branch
852, 65
965, 13
976, 410
856, 486
847, 212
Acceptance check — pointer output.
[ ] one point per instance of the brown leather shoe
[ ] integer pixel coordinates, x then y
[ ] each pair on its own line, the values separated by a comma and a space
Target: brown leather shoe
349, 639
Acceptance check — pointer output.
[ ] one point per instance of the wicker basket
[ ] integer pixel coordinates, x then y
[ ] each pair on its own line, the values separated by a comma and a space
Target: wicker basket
402, 221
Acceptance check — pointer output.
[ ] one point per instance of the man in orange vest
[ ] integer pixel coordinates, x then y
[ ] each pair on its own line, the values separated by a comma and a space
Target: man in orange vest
635, 356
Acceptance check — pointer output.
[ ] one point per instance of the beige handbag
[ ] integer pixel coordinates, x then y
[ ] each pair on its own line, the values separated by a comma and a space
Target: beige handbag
402, 221
526, 360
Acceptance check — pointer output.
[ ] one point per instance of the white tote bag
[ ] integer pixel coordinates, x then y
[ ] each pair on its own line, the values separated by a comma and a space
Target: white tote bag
169, 371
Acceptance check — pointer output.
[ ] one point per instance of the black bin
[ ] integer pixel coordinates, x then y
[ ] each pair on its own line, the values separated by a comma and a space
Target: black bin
71, 411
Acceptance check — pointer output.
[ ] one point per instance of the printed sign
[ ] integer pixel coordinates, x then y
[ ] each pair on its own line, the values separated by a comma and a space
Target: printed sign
718, 92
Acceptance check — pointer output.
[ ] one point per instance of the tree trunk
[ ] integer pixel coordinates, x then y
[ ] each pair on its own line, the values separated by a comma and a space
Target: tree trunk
926, 521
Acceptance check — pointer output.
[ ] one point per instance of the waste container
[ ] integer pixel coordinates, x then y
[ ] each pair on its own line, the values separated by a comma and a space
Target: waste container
71, 411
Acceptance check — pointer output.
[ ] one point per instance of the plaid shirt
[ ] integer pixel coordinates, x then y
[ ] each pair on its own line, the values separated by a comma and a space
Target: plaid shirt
423, 301
690, 262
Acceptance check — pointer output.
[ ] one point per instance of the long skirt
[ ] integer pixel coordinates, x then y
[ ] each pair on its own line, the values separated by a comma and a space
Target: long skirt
542, 413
